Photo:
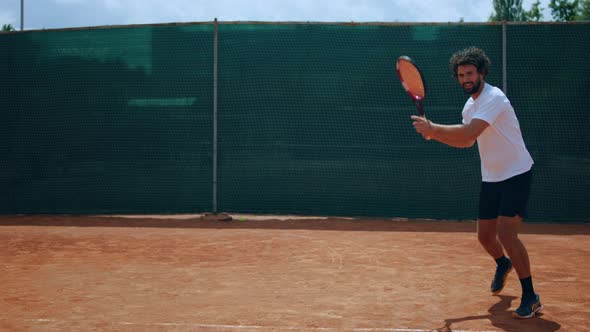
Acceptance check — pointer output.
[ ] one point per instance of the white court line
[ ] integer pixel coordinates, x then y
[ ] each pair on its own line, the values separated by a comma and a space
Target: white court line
258, 327
295, 328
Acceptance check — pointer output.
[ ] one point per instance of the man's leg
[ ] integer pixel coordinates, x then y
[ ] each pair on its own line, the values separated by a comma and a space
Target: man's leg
487, 236
508, 229
513, 207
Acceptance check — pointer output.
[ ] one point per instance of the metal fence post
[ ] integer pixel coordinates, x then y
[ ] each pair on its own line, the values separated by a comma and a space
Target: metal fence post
504, 69
214, 203
22, 14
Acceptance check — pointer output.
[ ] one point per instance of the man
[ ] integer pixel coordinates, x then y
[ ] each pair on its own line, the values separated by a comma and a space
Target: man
489, 119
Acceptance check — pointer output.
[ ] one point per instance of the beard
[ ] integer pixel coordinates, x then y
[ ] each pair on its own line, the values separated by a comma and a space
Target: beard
474, 88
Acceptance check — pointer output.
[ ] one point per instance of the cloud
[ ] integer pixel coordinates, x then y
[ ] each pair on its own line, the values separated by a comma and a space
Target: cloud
11, 16
158, 11
81, 13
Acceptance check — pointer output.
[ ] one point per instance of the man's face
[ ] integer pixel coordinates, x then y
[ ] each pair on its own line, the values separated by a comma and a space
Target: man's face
469, 78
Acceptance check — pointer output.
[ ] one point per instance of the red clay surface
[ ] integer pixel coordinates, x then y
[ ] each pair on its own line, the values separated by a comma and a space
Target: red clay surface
183, 273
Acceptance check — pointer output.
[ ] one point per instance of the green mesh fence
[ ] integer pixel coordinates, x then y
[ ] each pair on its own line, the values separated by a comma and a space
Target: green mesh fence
311, 119
106, 120
548, 81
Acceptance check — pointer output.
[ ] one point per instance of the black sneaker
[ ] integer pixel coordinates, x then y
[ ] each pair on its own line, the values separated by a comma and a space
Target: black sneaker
528, 309
500, 277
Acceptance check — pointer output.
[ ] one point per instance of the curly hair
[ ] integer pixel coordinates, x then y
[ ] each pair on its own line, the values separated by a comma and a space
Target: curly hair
470, 56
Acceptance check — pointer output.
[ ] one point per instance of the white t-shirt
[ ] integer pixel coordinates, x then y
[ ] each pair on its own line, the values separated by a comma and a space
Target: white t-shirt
502, 150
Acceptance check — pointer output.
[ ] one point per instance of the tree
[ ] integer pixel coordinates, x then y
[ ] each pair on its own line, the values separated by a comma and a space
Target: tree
7, 27
536, 12
564, 10
584, 11
508, 10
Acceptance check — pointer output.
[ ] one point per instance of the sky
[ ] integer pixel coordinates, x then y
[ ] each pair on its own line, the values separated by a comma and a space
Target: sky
55, 14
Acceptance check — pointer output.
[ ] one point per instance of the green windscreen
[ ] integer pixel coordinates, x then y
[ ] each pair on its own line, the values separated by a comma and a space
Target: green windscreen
106, 120
311, 119
548, 82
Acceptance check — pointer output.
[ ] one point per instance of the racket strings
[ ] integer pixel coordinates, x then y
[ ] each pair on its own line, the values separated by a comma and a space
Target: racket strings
411, 79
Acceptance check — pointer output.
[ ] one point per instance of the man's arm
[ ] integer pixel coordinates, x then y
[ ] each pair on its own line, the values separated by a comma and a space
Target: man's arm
459, 136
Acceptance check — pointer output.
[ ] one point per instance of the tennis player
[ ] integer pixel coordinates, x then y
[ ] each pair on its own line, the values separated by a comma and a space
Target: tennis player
506, 166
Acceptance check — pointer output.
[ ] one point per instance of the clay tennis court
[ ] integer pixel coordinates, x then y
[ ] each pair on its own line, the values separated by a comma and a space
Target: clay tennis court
188, 273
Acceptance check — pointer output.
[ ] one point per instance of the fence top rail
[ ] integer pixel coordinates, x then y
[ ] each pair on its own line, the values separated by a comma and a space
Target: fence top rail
351, 23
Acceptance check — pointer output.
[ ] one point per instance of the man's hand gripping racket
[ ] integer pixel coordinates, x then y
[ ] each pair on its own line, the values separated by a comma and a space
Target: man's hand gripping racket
413, 82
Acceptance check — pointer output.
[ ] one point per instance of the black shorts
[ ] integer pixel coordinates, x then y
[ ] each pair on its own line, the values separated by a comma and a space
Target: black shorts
505, 198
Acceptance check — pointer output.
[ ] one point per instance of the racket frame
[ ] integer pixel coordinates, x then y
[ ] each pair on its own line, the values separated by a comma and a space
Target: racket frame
418, 100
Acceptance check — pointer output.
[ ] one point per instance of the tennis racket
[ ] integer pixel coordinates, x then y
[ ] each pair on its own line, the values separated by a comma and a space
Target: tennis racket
412, 81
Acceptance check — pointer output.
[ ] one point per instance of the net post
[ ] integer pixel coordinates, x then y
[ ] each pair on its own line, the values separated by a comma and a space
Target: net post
504, 69
214, 194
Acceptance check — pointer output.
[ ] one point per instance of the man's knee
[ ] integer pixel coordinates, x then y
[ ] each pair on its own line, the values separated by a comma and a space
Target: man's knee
486, 232
508, 229
486, 238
